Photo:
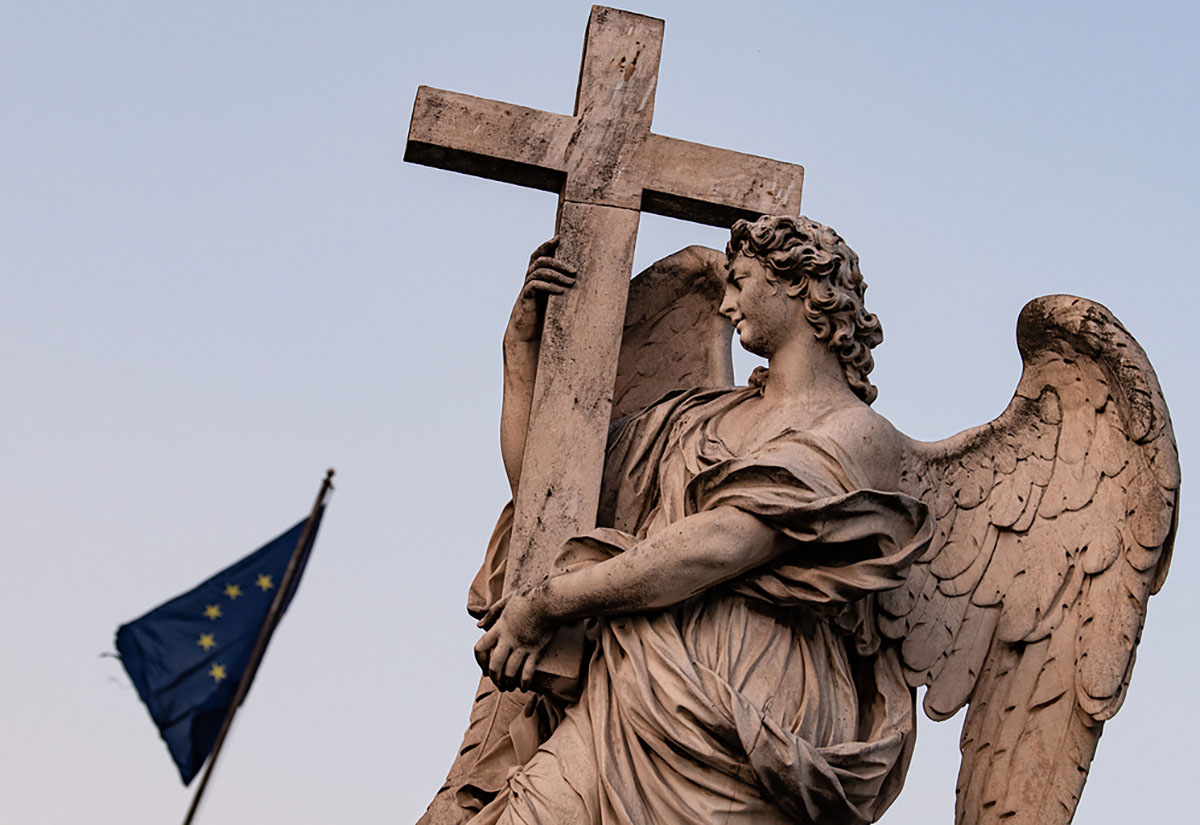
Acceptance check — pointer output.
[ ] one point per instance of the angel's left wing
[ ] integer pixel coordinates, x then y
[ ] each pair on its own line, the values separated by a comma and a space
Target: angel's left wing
1055, 525
675, 338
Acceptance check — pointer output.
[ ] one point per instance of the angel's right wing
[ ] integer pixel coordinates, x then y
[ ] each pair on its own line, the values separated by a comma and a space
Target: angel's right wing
675, 338
1055, 524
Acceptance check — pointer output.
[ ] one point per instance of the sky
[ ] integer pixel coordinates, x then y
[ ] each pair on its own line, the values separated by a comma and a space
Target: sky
219, 278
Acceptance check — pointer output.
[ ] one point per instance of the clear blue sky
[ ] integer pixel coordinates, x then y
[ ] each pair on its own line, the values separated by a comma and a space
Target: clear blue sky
219, 278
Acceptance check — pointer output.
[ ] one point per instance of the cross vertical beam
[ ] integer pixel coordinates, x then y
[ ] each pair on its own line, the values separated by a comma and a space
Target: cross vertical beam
581, 339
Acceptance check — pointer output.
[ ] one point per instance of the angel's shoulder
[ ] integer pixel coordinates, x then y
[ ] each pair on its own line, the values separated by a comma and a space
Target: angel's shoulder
869, 440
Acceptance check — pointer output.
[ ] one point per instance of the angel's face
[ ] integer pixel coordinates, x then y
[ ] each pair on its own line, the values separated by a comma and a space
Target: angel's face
758, 305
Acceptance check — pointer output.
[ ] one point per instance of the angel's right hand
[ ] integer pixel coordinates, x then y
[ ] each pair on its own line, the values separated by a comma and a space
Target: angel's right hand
546, 275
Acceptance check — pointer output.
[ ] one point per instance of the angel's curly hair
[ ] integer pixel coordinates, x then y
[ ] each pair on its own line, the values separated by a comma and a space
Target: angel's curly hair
804, 252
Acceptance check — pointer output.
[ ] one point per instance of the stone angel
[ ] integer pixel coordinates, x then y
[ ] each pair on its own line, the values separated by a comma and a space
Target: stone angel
776, 569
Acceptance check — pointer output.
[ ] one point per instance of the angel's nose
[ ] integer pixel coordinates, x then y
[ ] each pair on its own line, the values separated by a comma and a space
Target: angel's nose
728, 304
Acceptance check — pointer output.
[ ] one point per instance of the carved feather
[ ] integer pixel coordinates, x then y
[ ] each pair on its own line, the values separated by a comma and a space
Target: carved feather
486, 754
1057, 524
1026, 746
674, 336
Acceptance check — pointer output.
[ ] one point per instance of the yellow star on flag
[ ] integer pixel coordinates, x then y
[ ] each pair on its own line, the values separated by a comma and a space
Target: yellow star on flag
264, 582
207, 641
212, 611
217, 672
232, 591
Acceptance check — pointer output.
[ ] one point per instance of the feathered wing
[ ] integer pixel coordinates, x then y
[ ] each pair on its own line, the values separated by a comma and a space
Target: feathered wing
674, 336
1055, 525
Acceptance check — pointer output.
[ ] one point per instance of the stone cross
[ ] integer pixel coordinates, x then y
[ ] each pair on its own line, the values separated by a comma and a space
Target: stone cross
606, 166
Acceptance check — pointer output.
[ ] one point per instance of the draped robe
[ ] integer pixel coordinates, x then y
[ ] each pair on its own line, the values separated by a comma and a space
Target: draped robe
769, 698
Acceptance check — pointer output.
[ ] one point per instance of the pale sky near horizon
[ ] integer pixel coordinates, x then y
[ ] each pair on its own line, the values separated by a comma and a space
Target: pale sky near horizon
219, 278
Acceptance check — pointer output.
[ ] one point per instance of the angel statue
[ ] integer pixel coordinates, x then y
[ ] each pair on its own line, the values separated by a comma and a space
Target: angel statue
776, 569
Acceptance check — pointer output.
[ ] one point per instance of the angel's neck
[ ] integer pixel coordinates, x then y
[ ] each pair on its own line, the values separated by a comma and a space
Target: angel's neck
803, 370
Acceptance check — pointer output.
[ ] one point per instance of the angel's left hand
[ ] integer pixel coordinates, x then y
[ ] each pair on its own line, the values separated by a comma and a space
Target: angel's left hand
519, 627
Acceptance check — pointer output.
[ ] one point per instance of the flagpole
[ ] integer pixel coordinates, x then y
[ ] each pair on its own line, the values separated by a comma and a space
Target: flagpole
264, 636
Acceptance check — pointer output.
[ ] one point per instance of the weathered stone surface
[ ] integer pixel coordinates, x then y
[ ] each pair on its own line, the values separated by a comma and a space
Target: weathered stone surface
766, 572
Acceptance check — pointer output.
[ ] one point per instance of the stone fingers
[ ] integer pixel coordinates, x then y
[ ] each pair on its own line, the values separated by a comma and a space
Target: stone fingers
544, 250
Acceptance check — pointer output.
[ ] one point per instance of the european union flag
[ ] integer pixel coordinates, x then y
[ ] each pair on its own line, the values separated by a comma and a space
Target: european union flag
186, 657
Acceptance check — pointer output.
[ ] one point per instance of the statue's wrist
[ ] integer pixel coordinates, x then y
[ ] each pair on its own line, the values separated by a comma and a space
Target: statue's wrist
551, 601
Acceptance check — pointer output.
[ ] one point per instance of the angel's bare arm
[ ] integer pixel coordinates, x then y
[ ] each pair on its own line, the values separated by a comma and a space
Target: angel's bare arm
693, 555
546, 276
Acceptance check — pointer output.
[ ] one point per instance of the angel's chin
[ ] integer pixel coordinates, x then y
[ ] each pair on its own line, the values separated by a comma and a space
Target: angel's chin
754, 347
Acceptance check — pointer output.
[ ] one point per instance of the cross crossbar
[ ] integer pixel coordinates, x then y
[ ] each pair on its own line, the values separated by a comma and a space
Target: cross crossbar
531, 147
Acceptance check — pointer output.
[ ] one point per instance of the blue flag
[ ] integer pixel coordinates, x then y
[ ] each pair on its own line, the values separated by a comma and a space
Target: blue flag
186, 657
